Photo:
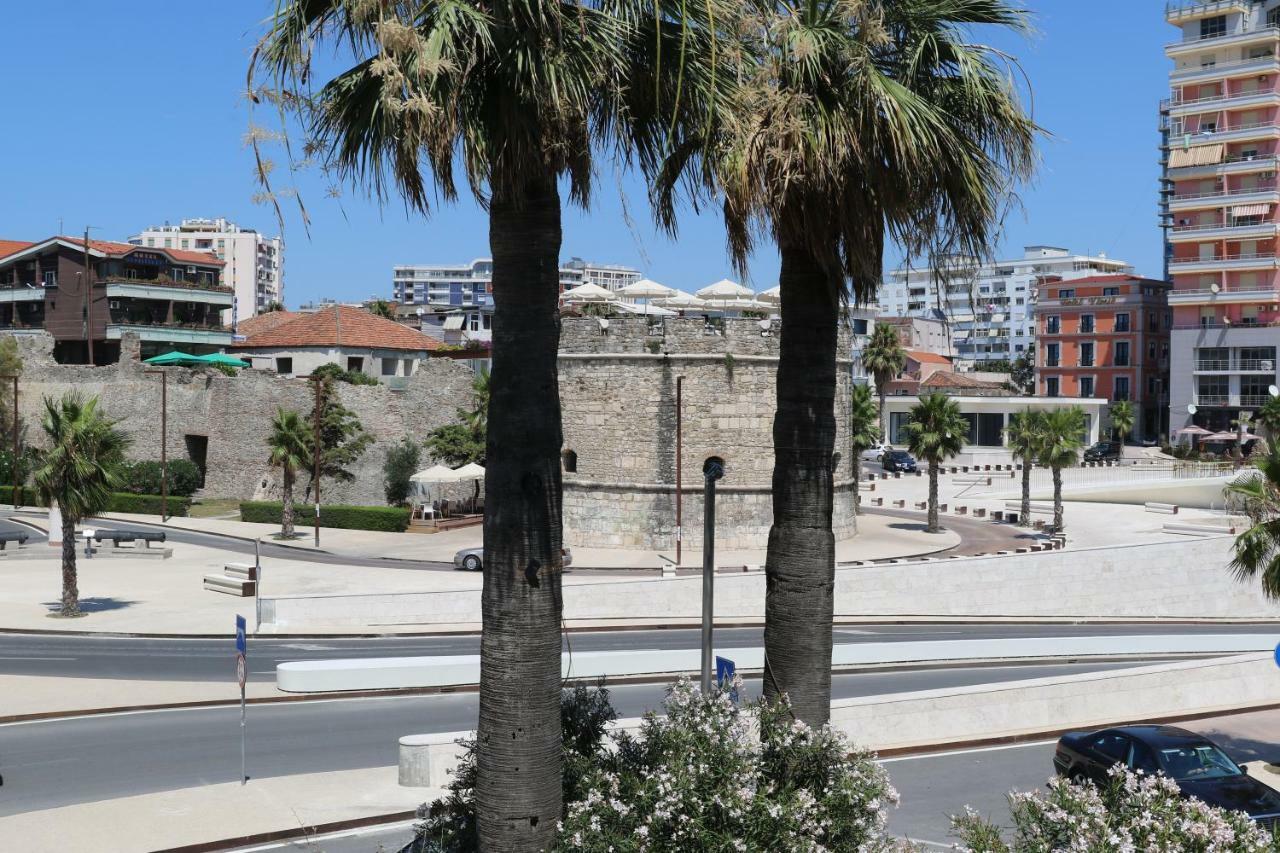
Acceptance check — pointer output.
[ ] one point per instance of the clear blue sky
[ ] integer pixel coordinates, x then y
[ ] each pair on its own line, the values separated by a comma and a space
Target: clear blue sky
126, 115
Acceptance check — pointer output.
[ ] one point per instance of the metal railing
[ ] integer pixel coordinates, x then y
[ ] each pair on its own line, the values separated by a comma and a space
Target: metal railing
1176, 101
1246, 256
1224, 193
1212, 400
1180, 130
1213, 364
1254, 401
1231, 63
1224, 226
1218, 324
1123, 473
1257, 365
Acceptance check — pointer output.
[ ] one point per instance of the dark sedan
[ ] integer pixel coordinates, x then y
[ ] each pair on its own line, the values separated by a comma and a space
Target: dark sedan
1200, 768
898, 460
1103, 451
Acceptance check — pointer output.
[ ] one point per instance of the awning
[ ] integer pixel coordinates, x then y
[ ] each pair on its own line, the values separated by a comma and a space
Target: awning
453, 322
1251, 210
1200, 155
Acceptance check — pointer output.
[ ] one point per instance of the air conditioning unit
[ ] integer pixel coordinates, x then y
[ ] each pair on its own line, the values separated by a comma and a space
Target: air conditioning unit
114, 303
191, 270
1268, 364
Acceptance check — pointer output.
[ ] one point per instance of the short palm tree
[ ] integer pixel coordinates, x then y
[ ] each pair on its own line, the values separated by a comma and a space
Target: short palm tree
1268, 417
79, 471
935, 432
291, 443
864, 431
1122, 419
1063, 436
1024, 434
884, 358
1257, 550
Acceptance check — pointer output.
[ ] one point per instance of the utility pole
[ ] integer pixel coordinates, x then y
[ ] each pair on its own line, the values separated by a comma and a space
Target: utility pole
712, 470
17, 479
164, 443
315, 455
88, 297
679, 456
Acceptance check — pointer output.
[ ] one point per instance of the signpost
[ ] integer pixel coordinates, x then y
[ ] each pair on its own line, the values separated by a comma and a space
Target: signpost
1277, 655
242, 647
725, 672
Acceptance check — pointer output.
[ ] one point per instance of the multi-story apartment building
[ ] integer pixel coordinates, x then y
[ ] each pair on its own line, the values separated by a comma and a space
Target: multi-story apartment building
1106, 336
169, 298
254, 263
1220, 129
608, 276
988, 306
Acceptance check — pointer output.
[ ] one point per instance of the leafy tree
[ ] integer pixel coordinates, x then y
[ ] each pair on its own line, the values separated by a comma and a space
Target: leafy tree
146, 477
291, 446
935, 432
337, 373
1025, 434
456, 444
270, 307
342, 438
864, 431
884, 358
401, 463
1122, 418
1022, 372
1268, 417
381, 308
78, 471
477, 417
1063, 437
1257, 550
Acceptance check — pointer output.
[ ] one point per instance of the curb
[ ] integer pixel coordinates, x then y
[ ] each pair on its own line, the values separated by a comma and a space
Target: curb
287, 834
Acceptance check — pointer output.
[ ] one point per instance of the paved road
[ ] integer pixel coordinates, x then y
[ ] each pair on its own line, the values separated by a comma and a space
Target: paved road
61, 762
976, 537
211, 660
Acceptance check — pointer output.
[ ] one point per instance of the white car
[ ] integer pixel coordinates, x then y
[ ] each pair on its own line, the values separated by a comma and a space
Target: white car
875, 451
472, 559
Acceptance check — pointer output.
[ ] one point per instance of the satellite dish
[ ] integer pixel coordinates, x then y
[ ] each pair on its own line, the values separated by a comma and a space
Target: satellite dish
1274, 391
1214, 288
1191, 408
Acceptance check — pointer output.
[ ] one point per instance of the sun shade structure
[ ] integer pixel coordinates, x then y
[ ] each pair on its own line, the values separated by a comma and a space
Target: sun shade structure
725, 289
646, 289
1193, 430
223, 358
1200, 155
182, 359
680, 299
772, 296
470, 471
587, 293
435, 474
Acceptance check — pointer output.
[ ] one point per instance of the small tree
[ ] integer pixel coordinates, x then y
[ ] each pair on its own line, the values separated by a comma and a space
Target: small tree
381, 308
1024, 434
79, 471
291, 446
935, 433
1122, 418
1022, 372
1268, 417
884, 358
401, 464
342, 438
864, 432
1060, 448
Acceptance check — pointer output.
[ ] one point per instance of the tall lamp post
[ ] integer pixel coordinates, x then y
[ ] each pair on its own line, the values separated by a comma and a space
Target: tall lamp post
712, 470
315, 455
17, 478
164, 442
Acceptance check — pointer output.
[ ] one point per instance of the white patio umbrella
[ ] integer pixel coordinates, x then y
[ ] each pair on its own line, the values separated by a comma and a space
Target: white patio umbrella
724, 289
649, 310
433, 476
773, 295
744, 305
470, 471
646, 289
587, 293
681, 301
1193, 430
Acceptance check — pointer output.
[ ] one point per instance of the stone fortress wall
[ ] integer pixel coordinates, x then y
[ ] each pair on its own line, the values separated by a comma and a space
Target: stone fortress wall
618, 396
232, 415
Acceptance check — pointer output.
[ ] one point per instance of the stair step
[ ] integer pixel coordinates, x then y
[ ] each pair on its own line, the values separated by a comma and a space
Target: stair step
230, 586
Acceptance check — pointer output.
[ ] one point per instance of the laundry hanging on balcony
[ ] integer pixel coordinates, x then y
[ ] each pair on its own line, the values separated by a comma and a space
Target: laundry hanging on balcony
1200, 155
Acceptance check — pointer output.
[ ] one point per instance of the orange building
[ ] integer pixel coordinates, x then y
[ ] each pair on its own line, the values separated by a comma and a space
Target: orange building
1106, 336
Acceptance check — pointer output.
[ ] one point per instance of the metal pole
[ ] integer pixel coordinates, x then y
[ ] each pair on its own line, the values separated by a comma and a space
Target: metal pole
316, 458
257, 584
244, 775
679, 458
164, 443
711, 472
88, 298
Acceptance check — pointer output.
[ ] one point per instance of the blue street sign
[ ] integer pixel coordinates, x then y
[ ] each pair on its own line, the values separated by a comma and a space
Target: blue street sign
725, 670
1277, 655
241, 646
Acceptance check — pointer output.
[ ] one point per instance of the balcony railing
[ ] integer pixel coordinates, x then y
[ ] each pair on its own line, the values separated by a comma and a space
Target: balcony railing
1247, 256
1213, 364
1257, 365
1222, 193
1223, 226
1218, 324
1180, 130
166, 281
1231, 63
1254, 401
1212, 399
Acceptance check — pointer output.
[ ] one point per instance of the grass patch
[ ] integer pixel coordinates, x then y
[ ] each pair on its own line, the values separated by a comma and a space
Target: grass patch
211, 507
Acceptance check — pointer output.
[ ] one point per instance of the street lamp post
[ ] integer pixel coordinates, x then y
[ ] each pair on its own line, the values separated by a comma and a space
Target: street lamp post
17, 479
164, 443
315, 455
712, 470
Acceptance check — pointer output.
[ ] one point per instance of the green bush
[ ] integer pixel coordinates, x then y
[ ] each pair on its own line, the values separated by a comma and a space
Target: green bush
120, 502
144, 478
351, 377
385, 518
30, 497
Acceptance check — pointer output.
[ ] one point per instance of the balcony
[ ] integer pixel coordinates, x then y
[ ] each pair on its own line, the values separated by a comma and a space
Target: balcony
1223, 231
1224, 101
1212, 399
1236, 133
1253, 401
1218, 295
1218, 325
1267, 194
177, 333
10, 295
1194, 42
1197, 73
168, 290
1213, 365
1245, 261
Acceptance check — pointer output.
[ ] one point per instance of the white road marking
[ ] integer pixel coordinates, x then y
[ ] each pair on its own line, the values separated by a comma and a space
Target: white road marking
28, 657
966, 751
351, 833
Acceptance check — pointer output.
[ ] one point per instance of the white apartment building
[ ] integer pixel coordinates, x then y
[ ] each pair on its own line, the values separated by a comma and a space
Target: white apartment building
608, 276
254, 263
988, 307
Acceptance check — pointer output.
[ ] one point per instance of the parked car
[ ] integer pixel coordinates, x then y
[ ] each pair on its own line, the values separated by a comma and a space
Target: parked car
472, 559
898, 460
1102, 451
875, 451
1200, 768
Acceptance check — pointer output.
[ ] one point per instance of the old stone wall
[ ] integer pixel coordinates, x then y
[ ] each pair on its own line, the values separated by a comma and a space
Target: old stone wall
618, 395
232, 414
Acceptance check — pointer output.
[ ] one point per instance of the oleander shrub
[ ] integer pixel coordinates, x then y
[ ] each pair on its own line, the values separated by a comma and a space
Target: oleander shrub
148, 504
392, 519
1135, 812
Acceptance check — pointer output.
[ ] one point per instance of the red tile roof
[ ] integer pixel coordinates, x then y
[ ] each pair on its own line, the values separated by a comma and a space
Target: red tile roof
110, 247
947, 379
340, 326
924, 357
264, 322
8, 247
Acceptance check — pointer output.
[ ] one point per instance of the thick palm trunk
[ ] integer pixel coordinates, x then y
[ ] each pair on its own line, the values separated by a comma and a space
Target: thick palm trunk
1024, 517
286, 504
800, 566
1057, 500
884, 416
70, 592
518, 791
933, 498
857, 477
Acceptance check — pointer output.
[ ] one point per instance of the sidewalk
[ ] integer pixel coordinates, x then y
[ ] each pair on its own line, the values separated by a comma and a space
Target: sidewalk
22, 695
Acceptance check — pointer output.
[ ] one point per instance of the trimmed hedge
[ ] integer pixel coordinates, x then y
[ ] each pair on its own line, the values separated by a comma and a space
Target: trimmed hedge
120, 502
391, 519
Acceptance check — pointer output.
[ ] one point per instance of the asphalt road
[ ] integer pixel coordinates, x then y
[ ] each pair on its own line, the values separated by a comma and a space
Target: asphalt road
212, 659
61, 762
976, 537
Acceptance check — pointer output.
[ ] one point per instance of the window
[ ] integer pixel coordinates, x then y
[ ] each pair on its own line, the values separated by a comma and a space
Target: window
1067, 293
284, 366
186, 244
1052, 324
1051, 355
1086, 386
1110, 291
50, 278
1142, 760
1151, 351
1086, 323
1212, 390
1086, 354
570, 462
1152, 385
389, 366
1122, 323
1121, 355
1051, 386
1121, 391
1112, 746
355, 363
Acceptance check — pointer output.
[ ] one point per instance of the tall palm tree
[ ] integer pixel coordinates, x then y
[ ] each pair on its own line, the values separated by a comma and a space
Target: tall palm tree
292, 444
935, 432
1122, 418
864, 431
514, 92
884, 358
856, 123
1062, 438
1257, 550
1024, 434
79, 471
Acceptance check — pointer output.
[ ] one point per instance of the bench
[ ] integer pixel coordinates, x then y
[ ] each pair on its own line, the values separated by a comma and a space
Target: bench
900, 504
922, 504
124, 543
877, 501
230, 586
243, 571
962, 510
979, 512
1167, 509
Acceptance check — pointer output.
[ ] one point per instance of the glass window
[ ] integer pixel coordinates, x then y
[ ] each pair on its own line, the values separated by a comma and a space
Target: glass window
1110, 291
1113, 746
1086, 323
1051, 355
1121, 388
1142, 759
1067, 293
1213, 27
284, 365
1086, 354
1052, 324
1086, 386
1121, 358
1051, 386
389, 366
1122, 323
1197, 761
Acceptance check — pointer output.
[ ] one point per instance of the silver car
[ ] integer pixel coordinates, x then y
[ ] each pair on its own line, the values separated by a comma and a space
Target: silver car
472, 559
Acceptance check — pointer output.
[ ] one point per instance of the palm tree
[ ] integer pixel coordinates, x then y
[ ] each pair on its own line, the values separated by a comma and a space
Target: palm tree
864, 431
1062, 438
291, 442
1268, 416
514, 92
1024, 434
1122, 418
381, 308
884, 358
1257, 550
79, 471
855, 123
935, 432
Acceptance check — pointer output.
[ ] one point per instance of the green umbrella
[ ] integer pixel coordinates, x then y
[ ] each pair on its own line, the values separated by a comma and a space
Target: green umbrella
223, 358
170, 358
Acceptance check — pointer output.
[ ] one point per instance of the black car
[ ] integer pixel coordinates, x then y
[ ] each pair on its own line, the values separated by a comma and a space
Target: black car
898, 460
1103, 451
1200, 768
